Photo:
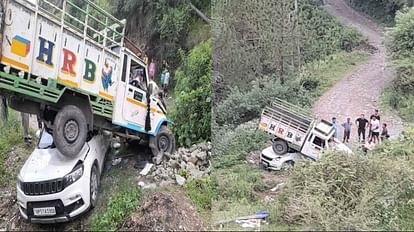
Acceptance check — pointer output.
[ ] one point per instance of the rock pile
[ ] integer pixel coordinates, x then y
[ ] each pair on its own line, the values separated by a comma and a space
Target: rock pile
191, 163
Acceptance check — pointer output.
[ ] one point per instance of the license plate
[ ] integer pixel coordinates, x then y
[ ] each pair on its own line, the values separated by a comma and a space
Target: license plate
46, 211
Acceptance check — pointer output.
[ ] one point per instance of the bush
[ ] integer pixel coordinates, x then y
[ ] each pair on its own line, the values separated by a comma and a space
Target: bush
200, 192
193, 96
401, 46
232, 145
117, 211
238, 184
382, 10
10, 135
353, 192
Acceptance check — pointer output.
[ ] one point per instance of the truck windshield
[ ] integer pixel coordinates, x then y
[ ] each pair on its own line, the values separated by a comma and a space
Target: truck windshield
46, 141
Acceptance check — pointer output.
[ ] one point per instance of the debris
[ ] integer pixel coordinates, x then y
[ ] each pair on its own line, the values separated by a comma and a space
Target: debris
141, 184
180, 180
116, 161
157, 159
150, 186
277, 187
146, 169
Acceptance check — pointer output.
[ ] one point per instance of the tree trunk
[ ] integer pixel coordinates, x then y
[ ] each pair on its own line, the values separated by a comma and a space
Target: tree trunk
199, 13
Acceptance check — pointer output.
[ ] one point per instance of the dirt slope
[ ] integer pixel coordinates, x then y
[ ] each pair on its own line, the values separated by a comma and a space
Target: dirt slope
359, 91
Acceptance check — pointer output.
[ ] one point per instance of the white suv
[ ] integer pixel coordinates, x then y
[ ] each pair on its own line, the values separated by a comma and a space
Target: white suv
54, 188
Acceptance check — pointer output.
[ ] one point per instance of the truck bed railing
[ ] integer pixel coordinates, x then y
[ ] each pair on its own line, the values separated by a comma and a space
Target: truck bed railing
87, 19
289, 115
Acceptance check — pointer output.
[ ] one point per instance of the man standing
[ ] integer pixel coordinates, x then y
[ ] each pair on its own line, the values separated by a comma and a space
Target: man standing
362, 124
347, 129
25, 124
376, 114
375, 129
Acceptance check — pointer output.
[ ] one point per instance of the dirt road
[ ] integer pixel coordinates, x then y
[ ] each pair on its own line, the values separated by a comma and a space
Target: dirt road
359, 91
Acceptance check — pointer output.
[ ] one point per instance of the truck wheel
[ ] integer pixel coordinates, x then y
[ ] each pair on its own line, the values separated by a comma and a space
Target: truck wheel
70, 130
280, 147
163, 142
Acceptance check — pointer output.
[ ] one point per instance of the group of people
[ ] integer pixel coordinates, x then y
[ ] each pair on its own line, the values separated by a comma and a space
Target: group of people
165, 78
376, 131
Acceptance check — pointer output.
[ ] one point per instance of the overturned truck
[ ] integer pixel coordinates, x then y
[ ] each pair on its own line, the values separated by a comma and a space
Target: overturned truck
67, 62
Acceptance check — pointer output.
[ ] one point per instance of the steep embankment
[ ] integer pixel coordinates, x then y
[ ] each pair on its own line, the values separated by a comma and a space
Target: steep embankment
359, 91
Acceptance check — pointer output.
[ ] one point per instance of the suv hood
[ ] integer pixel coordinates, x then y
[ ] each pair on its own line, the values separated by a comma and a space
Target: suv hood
48, 164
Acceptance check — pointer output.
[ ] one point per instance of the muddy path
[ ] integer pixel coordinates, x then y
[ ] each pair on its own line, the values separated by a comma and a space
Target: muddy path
360, 90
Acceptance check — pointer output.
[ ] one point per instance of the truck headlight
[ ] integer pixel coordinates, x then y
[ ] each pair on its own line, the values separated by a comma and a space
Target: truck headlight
74, 175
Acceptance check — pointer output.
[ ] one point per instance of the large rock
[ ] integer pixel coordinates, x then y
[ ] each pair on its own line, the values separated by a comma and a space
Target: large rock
202, 155
180, 180
193, 160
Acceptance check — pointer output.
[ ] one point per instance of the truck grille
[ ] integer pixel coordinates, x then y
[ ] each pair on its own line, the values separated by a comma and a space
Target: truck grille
43, 187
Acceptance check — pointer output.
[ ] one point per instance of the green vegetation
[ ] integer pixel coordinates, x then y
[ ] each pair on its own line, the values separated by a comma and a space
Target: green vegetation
200, 192
359, 192
315, 78
162, 27
193, 96
383, 11
10, 135
245, 52
401, 48
117, 211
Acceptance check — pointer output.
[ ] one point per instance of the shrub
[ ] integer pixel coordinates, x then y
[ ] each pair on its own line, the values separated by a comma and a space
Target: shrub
353, 192
10, 135
238, 184
200, 192
193, 96
232, 145
117, 211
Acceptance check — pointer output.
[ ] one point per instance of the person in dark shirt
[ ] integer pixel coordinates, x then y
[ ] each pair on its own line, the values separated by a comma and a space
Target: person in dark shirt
362, 124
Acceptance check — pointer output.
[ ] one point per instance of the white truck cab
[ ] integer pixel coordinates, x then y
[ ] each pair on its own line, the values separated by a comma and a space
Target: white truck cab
296, 134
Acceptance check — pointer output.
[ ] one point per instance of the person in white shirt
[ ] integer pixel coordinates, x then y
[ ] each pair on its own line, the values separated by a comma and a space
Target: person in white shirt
375, 128
153, 87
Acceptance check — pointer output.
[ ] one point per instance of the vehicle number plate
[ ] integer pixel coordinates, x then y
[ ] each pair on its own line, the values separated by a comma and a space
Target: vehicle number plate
46, 211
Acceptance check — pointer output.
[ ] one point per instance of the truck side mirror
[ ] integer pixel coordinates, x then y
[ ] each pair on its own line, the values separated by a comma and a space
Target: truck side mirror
38, 132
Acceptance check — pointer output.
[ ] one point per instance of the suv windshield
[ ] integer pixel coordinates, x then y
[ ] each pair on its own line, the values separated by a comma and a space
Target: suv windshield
45, 141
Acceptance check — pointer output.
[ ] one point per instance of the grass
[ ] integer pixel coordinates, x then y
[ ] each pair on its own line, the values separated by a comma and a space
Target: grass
325, 73
117, 184
392, 100
11, 134
200, 193
117, 211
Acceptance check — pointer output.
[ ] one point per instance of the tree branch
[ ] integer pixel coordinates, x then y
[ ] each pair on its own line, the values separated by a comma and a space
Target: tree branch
199, 13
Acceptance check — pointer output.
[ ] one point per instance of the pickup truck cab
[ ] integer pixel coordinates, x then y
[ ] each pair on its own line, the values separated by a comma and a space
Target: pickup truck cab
295, 132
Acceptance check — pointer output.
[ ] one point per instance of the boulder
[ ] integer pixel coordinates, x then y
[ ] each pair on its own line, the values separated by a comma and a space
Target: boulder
180, 180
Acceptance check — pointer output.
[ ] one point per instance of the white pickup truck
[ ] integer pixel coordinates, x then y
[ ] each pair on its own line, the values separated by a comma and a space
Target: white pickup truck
297, 135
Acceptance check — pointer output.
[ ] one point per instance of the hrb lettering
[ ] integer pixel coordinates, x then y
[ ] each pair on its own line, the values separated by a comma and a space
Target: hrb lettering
45, 51
69, 61
90, 71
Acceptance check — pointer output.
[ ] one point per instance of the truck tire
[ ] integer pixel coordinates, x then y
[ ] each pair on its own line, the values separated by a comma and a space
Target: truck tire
70, 130
280, 147
163, 142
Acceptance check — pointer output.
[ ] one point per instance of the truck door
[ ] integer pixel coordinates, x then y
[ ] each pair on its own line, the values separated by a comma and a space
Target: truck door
135, 102
313, 146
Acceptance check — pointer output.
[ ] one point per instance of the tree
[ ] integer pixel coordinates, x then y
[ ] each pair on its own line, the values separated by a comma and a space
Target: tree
192, 116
